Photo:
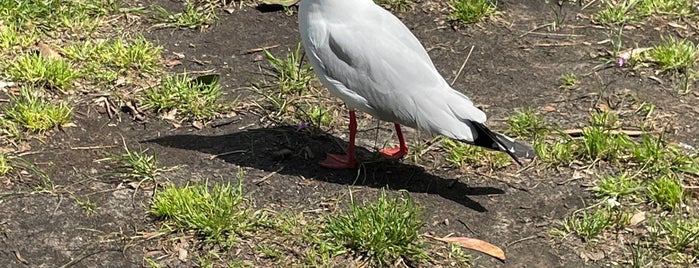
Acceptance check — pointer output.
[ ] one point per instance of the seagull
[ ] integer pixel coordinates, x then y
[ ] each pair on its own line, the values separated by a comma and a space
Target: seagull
368, 58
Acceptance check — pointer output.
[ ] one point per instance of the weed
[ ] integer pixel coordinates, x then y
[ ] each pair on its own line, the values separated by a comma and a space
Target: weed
219, 213
470, 11
33, 112
34, 68
568, 81
674, 55
192, 17
526, 123
666, 192
383, 231
188, 97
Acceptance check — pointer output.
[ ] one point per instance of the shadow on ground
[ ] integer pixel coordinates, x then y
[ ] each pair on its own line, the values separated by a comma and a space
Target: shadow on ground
289, 151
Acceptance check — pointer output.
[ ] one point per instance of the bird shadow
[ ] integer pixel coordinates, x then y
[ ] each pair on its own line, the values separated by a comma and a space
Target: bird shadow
299, 152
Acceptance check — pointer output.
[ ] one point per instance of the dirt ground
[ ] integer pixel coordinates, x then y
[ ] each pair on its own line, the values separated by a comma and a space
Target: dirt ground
508, 70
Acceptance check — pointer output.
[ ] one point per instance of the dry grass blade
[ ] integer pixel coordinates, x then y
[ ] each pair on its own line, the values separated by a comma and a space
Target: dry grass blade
473, 244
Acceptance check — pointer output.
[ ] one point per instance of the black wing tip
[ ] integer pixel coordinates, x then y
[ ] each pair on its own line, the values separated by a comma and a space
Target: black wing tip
496, 141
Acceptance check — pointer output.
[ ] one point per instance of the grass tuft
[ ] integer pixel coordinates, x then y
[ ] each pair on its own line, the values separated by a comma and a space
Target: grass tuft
190, 98
193, 16
568, 81
34, 68
5, 165
219, 213
383, 231
32, 111
666, 192
137, 164
460, 154
617, 13
674, 55
470, 11
526, 123
618, 186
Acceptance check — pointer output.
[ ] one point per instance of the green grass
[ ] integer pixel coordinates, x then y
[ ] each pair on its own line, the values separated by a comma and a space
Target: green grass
619, 13
675, 8
41, 71
630, 11
32, 111
618, 186
193, 16
526, 123
5, 164
13, 39
190, 98
460, 154
53, 15
568, 81
291, 95
220, 213
470, 11
136, 165
667, 192
105, 61
588, 225
674, 55
382, 231
678, 235
293, 76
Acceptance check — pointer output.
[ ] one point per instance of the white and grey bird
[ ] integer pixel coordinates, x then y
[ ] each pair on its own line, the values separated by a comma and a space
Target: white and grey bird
368, 58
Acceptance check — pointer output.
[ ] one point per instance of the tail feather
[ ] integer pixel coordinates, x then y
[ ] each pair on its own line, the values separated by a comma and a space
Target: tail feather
496, 141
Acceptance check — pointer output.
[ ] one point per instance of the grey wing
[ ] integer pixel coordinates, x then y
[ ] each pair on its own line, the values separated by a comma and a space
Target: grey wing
382, 69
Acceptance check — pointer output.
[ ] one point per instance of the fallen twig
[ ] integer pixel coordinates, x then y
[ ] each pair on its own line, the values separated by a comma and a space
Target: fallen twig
254, 50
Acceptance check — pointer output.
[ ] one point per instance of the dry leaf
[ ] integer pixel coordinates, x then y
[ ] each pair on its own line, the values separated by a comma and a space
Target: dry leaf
637, 218
473, 244
197, 125
548, 108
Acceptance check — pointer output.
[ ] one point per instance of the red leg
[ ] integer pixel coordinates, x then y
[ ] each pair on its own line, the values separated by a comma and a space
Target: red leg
399, 151
339, 161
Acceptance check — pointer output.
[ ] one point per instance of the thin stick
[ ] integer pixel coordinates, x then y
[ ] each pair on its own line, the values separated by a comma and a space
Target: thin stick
253, 50
462, 66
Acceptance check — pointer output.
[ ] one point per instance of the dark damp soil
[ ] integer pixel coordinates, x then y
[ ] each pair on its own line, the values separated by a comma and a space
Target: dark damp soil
507, 70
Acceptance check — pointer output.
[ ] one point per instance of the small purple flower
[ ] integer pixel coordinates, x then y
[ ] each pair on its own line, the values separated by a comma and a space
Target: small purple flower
302, 125
620, 62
